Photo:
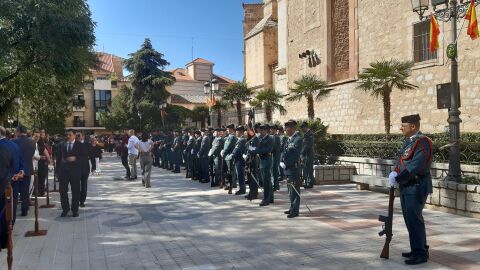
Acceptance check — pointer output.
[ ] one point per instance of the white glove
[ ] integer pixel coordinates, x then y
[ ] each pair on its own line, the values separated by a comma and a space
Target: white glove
391, 179
244, 157
172, 149
229, 157
283, 165
209, 154
251, 148
222, 153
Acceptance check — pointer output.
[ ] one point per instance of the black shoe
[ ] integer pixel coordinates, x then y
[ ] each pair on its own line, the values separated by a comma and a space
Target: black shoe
247, 196
416, 260
75, 214
82, 204
287, 212
64, 213
240, 192
127, 178
229, 191
410, 254
292, 215
226, 188
263, 203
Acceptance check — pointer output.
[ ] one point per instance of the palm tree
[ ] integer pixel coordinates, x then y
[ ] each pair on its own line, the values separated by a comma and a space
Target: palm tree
220, 105
235, 94
308, 86
199, 114
380, 79
269, 100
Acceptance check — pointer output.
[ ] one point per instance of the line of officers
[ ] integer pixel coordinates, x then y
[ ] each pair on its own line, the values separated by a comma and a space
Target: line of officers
261, 155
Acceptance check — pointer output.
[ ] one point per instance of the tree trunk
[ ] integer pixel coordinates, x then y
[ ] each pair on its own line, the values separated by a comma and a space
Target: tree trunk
219, 118
310, 108
202, 123
386, 111
268, 114
239, 112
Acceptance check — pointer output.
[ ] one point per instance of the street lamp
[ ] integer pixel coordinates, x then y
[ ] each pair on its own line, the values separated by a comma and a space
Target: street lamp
210, 87
451, 11
162, 108
140, 116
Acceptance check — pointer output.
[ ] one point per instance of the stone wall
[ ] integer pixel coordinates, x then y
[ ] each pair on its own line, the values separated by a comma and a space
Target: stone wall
384, 31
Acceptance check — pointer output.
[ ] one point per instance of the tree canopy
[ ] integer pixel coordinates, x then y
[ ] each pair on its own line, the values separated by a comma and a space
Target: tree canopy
270, 101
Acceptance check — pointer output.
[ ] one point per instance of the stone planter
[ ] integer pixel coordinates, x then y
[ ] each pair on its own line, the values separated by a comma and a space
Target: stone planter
333, 174
455, 198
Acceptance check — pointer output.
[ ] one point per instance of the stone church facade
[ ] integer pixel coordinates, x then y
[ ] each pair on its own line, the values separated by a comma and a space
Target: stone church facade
345, 36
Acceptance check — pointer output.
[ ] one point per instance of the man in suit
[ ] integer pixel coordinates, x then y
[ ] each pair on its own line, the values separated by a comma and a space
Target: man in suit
70, 172
291, 165
307, 156
412, 175
27, 149
85, 165
238, 160
264, 151
202, 155
214, 154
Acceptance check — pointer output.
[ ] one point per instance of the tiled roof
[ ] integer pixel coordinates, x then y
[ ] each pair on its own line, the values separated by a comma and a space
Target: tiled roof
187, 99
105, 61
264, 23
181, 74
222, 79
201, 60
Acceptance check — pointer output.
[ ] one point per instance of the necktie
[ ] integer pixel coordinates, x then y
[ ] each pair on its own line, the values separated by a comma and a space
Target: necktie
69, 148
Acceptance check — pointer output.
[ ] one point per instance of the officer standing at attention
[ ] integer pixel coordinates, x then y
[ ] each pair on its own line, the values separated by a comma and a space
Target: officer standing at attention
264, 151
177, 152
188, 154
196, 160
276, 157
252, 163
202, 155
185, 138
214, 154
412, 175
227, 150
307, 156
283, 143
238, 160
291, 165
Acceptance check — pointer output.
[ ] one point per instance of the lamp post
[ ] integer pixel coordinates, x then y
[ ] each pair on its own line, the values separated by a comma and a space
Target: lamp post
210, 87
451, 11
140, 116
162, 108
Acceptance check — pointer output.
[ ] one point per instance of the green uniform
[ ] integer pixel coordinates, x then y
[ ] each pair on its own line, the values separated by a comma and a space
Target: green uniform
214, 153
307, 158
177, 153
227, 150
276, 152
291, 159
264, 151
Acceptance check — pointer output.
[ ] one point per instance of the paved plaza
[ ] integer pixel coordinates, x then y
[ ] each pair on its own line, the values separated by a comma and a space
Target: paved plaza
182, 224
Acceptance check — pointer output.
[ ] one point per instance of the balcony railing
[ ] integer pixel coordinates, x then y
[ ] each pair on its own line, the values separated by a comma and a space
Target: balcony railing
79, 103
79, 123
103, 103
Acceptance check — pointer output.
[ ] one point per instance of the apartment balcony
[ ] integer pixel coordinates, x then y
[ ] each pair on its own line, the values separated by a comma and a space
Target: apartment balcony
78, 105
78, 123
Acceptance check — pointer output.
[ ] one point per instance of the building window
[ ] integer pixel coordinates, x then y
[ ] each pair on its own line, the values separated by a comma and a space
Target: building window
78, 121
79, 101
103, 100
421, 42
101, 78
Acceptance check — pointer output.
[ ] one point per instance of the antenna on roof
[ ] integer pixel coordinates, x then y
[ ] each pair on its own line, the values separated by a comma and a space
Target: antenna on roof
103, 47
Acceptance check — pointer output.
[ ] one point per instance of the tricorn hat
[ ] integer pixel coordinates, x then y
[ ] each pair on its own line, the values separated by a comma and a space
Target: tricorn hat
414, 118
291, 123
231, 126
240, 128
304, 125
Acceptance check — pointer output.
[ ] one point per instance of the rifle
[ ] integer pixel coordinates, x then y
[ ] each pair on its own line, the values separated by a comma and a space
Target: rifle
387, 227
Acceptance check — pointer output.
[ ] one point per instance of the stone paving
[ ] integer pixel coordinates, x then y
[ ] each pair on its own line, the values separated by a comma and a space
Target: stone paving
182, 224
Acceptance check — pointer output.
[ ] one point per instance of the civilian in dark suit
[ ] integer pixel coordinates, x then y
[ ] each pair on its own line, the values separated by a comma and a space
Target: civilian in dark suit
70, 155
84, 160
27, 148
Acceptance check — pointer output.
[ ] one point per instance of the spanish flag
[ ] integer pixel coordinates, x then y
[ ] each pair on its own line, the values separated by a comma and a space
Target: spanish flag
214, 102
434, 33
472, 29
208, 102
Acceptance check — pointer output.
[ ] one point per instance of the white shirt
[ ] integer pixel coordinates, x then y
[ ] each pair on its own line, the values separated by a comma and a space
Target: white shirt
132, 142
145, 146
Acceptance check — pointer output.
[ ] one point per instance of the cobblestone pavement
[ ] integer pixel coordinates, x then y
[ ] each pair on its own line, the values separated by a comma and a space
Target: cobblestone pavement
182, 224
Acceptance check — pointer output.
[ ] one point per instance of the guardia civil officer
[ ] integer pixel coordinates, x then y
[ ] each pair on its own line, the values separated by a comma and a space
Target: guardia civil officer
195, 159
202, 156
412, 175
238, 160
188, 154
264, 151
291, 165
253, 173
185, 138
283, 143
177, 151
214, 154
276, 152
307, 156
227, 150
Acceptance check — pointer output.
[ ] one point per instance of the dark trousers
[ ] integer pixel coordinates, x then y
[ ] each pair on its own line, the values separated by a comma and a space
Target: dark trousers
412, 208
232, 175
156, 156
253, 178
240, 172
70, 176
265, 169
308, 178
93, 164
125, 164
22, 188
177, 160
3, 222
204, 169
276, 171
217, 161
42, 176
83, 184
293, 182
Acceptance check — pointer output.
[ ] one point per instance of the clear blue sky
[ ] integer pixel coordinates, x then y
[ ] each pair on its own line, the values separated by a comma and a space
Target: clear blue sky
215, 25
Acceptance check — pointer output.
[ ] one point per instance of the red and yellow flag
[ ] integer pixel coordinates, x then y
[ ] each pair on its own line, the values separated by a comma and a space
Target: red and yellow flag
472, 29
208, 102
214, 102
434, 33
